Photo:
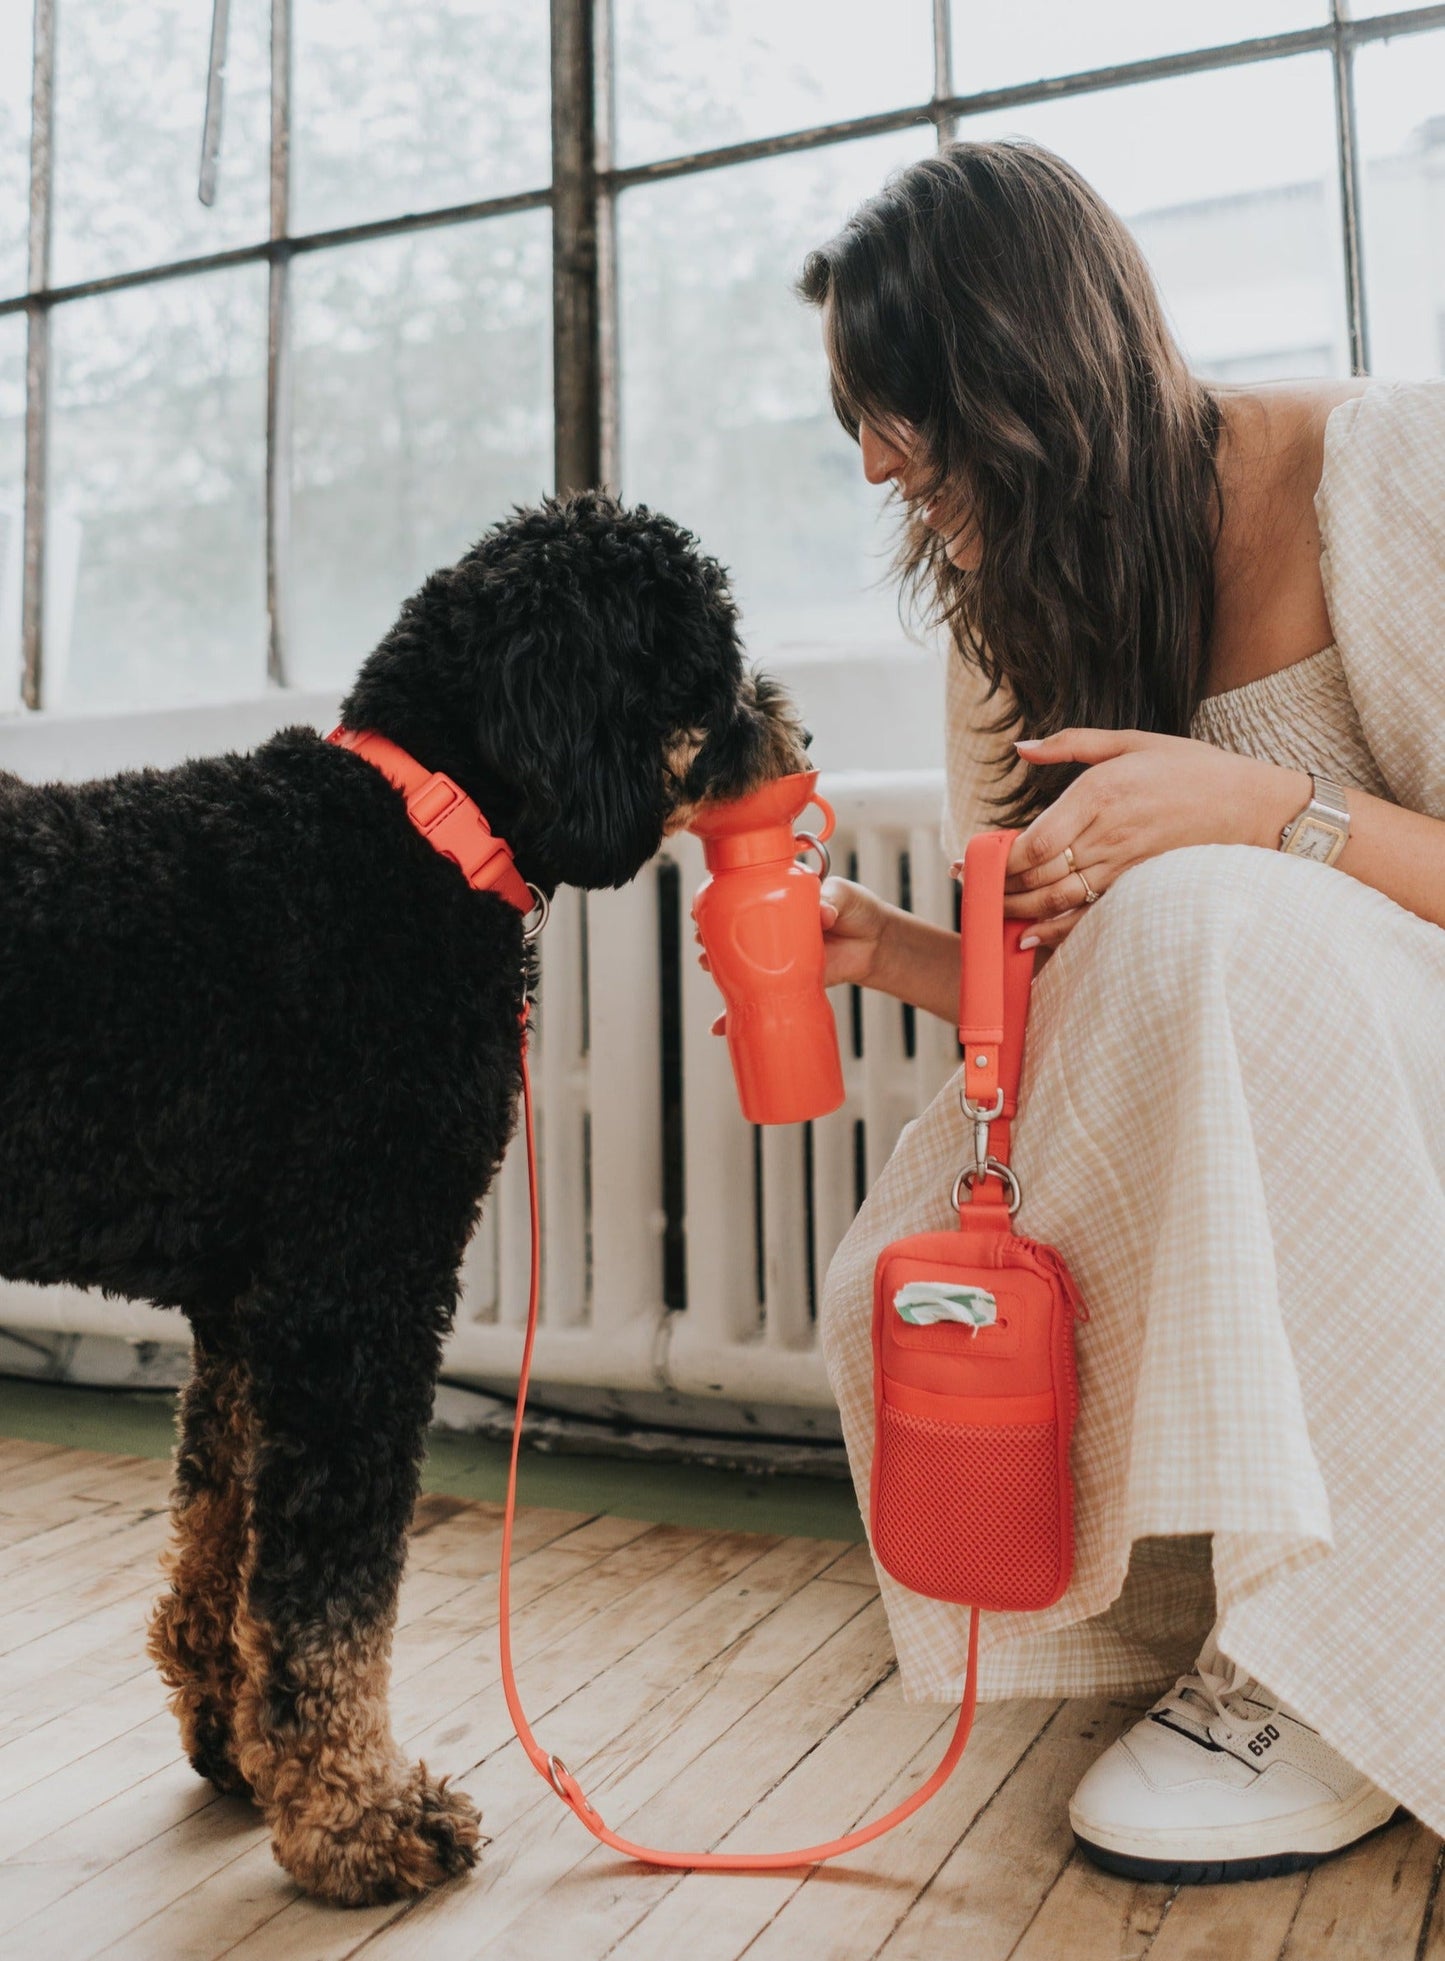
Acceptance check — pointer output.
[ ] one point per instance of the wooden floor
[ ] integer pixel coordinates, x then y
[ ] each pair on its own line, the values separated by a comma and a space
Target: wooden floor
708, 1687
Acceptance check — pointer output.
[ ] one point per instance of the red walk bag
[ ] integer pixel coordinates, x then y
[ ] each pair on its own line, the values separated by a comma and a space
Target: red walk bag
971, 1500
971, 1496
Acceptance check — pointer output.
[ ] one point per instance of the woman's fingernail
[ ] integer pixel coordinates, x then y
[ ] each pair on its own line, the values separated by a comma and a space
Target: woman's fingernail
1029, 939
1029, 742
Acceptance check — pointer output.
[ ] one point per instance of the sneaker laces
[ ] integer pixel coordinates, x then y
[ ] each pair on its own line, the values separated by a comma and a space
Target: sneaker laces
1208, 1696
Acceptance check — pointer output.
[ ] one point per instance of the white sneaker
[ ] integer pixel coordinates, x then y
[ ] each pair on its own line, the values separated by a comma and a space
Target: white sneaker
1218, 1782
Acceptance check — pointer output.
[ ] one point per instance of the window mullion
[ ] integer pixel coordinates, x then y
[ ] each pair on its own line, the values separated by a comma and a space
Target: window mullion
215, 101
605, 200
576, 310
37, 351
278, 377
943, 65
1347, 149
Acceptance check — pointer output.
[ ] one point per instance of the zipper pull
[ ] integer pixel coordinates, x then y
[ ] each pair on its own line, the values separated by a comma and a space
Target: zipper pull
1074, 1297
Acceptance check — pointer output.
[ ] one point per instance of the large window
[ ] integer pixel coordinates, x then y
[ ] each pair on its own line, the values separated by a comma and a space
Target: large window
257, 421
449, 255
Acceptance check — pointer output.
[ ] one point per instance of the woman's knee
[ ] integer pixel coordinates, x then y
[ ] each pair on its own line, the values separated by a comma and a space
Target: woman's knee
846, 1302
1185, 912
842, 1294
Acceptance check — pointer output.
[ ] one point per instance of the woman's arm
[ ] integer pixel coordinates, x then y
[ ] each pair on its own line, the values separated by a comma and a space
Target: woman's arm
1400, 852
1144, 794
918, 963
871, 944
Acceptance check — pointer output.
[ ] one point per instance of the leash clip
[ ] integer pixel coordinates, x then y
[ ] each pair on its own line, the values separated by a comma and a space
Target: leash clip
980, 1116
985, 1164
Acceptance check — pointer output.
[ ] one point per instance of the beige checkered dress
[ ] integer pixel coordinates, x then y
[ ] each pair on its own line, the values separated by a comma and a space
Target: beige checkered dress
1233, 1125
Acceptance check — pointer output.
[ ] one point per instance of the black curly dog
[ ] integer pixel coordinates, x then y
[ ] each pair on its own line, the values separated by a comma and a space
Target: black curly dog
259, 1060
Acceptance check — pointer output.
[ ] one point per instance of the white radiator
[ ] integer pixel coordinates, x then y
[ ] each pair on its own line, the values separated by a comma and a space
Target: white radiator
729, 1337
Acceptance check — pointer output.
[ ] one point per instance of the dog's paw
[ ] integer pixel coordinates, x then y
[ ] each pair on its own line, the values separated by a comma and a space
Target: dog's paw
451, 1824
361, 1849
219, 1772
210, 1750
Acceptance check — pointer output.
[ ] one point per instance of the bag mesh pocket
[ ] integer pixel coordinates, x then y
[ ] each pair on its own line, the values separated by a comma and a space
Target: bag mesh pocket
970, 1512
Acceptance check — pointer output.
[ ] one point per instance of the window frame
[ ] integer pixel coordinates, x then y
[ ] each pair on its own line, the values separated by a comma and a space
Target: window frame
582, 198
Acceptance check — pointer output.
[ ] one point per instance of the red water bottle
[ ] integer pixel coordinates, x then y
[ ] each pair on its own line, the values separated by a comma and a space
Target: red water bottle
757, 914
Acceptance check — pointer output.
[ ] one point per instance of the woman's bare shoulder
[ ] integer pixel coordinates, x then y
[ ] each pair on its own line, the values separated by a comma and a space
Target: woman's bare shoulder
1269, 597
1280, 426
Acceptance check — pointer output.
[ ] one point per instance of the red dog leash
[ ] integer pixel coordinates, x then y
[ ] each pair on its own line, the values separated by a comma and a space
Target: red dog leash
555, 1771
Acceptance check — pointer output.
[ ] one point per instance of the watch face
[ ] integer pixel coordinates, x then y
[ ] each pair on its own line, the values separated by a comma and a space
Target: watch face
1315, 840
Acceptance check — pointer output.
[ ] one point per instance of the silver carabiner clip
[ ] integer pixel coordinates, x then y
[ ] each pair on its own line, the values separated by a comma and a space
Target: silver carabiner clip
980, 1116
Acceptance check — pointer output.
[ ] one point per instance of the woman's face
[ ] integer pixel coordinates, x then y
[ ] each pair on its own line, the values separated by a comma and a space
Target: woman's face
894, 455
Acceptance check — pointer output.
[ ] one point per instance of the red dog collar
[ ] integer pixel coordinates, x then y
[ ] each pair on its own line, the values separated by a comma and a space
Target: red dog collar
446, 817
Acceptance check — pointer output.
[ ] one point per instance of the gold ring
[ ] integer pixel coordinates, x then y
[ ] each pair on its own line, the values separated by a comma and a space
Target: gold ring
1089, 893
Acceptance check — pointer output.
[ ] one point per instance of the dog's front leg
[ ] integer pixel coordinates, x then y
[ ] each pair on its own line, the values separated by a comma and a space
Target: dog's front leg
341, 1394
191, 1632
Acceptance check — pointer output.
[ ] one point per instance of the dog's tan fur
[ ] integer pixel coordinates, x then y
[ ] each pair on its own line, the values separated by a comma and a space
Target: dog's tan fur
350, 1819
192, 1631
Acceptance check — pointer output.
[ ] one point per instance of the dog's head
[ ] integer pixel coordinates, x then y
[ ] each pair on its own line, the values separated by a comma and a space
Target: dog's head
579, 674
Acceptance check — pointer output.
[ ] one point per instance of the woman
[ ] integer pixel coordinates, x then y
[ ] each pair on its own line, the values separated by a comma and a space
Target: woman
1182, 615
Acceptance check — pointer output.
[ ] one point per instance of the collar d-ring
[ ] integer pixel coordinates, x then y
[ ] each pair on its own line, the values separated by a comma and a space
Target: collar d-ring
539, 913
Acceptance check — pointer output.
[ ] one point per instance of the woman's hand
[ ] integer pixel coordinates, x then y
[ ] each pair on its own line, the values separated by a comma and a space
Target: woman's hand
1140, 794
854, 923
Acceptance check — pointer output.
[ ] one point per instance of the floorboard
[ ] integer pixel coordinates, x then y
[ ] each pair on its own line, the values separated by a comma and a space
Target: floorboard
709, 1689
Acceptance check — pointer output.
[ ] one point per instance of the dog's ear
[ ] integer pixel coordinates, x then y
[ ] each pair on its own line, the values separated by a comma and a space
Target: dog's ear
605, 652
589, 786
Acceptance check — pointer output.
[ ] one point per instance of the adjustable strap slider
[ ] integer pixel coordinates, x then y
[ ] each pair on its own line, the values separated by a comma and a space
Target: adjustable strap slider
429, 804
452, 825
567, 1787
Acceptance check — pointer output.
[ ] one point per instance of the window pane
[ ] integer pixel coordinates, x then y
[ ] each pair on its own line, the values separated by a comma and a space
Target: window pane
995, 47
691, 74
726, 423
1400, 112
14, 146
399, 107
155, 585
12, 502
1230, 182
130, 100
422, 411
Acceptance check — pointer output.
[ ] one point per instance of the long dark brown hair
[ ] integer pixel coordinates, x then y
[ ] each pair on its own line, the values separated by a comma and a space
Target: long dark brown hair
989, 299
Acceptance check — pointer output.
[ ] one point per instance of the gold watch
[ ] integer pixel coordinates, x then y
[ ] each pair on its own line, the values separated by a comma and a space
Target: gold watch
1322, 827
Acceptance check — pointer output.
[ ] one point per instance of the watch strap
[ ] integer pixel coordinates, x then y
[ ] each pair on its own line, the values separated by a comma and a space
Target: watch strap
1326, 813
